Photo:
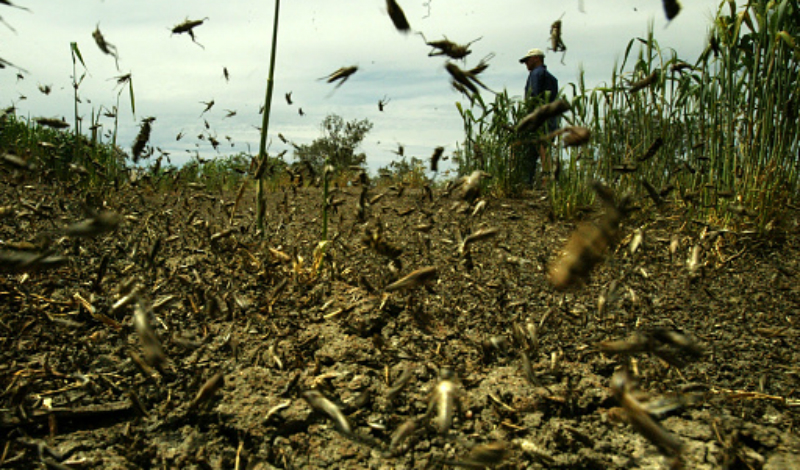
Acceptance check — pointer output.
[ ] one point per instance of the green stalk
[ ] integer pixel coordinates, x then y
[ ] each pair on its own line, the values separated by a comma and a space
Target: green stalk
116, 124
75, 149
325, 177
262, 149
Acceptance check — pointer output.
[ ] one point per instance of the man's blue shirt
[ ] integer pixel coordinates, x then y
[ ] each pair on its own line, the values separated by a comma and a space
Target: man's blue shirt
540, 81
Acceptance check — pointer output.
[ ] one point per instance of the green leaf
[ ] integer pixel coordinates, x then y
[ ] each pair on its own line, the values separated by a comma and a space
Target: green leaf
77, 52
627, 51
133, 101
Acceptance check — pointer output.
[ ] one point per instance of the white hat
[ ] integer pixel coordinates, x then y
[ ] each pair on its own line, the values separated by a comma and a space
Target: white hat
532, 53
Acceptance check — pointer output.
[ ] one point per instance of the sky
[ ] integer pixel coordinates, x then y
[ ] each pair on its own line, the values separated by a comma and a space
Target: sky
172, 75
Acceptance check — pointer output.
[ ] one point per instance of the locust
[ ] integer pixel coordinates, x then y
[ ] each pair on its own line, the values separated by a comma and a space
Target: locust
693, 263
483, 234
16, 161
142, 138
397, 16
464, 77
573, 136
214, 142
322, 404
671, 9
400, 435
151, 346
556, 43
289, 98
482, 456
641, 420
400, 383
482, 65
226, 74
680, 66
122, 80
208, 390
535, 451
471, 185
644, 83
341, 75
414, 279
463, 90
45, 89
588, 244
102, 223
480, 207
444, 401
7, 112
652, 192
437, 154
208, 104
382, 103
541, 114
8, 3
188, 27
52, 122
652, 149
448, 48
105, 47
2, 65
375, 239
25, 261
661, 342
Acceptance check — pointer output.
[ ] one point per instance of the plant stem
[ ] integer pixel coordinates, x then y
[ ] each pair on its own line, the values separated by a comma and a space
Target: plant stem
262, 152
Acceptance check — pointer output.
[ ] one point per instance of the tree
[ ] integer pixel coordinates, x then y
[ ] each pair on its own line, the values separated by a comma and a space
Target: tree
338, 144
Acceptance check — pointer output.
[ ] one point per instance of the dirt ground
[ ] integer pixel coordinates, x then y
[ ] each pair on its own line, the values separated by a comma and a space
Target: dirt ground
182, 339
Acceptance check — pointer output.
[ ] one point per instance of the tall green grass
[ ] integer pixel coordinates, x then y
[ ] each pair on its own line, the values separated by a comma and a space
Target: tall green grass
262, 149
728, 122
61, 155
492, 145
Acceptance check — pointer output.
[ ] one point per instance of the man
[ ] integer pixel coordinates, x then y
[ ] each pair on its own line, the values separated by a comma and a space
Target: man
540, 88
